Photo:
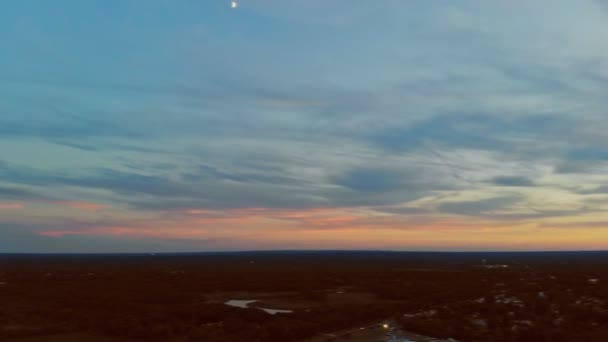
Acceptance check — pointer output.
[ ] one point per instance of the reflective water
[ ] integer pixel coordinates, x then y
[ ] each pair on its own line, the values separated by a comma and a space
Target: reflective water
245, 304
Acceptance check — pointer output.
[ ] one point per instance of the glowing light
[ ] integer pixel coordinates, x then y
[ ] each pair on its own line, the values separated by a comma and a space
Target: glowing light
385, 326
234, 4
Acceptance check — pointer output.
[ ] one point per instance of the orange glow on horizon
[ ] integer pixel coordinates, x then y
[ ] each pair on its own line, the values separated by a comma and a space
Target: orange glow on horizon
350, 228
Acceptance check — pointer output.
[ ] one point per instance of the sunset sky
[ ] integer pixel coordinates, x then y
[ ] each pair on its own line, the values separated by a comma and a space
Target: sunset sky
187, 125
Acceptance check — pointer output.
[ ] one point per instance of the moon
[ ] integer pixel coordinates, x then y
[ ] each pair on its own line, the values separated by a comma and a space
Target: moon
234, 4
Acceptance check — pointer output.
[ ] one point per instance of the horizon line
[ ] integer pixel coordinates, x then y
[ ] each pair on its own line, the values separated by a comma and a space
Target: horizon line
309, 251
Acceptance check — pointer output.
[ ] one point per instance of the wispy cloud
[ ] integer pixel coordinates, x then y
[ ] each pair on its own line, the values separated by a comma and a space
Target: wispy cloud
88, 206
512, 181
453, 115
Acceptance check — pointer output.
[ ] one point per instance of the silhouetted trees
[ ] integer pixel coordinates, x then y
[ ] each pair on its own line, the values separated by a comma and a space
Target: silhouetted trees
180, 297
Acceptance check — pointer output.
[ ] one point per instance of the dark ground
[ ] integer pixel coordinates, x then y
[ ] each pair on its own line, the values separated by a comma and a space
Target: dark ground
511, 297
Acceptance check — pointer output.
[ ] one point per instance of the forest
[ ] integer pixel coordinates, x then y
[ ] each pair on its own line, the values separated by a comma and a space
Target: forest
546, 296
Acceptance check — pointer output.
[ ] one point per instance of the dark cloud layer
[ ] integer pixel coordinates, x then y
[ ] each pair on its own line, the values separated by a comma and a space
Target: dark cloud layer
476, 131
512, 181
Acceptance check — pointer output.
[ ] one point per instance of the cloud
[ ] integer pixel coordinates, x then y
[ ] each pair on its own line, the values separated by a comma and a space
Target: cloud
17, 193
18, 242
479, 207
575, 225
88, 206
404, 210
585, 160
588, 153
15, 205
205, 172
102, 178
371, 180
512, 181
569, 167
603, 189
536, 215
474, 131
192, 108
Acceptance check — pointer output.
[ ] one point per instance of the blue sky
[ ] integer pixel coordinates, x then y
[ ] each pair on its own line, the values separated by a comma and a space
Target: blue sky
157, 125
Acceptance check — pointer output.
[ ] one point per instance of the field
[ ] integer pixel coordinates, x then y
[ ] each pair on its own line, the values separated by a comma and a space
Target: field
330, 296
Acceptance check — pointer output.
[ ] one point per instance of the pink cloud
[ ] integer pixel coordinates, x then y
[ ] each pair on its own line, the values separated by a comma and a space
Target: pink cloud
14, 205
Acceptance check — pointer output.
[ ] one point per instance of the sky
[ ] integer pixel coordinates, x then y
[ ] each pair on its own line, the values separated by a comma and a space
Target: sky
173, 126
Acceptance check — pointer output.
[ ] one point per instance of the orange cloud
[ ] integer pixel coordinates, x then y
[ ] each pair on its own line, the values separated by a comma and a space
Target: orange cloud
197, 212
88, 206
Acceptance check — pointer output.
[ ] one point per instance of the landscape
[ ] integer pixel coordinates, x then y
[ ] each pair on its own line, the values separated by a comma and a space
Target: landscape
323, 296
303, 170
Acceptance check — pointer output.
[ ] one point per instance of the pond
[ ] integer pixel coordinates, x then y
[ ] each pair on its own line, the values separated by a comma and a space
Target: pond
244, 304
